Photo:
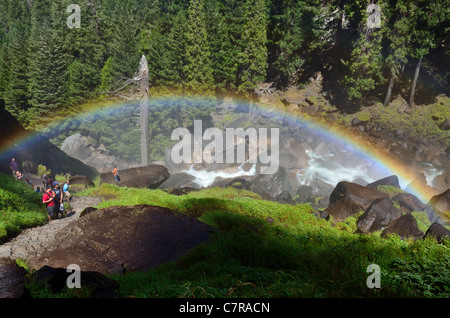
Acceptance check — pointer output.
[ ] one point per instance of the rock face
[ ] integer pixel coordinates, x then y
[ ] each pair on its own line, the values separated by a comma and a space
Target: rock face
438, 231
361, 195
178, 181
388, 181
56, 279
405, 227
408, 202
378, 216
142, 177
342, 209
272, 185
25, 146
115, 239
441, 202
79, 147
12, 280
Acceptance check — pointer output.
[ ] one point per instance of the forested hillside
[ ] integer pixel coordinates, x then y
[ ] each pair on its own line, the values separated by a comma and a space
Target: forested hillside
221, 47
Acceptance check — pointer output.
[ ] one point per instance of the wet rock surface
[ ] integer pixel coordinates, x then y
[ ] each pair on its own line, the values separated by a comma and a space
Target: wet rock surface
11, 279
151, 176
116, 239
111, 240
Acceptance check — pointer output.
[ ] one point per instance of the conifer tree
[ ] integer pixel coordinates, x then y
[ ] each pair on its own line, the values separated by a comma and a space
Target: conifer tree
364, 68
253, 58
198, 68
225, 26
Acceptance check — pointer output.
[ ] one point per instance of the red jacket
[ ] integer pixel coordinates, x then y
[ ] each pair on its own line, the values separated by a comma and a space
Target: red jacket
47, 196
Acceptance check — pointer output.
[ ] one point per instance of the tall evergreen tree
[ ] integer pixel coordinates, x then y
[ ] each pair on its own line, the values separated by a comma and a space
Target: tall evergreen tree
18, 94
253, 58
365, 64
47, 61
225, 26
198, 67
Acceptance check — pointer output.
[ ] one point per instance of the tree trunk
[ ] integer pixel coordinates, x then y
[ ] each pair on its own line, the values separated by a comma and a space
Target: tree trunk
144, 112
387, 101
414, 83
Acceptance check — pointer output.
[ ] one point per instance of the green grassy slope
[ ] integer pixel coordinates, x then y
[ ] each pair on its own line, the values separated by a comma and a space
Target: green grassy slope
267, 249
20, 207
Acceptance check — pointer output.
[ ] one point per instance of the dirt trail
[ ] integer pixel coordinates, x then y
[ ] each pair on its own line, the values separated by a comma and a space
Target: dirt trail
32, 242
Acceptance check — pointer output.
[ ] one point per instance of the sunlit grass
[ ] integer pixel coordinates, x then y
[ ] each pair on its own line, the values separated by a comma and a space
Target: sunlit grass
268, 249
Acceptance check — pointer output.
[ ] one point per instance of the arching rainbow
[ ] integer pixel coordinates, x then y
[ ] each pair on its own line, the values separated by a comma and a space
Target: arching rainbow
333, 132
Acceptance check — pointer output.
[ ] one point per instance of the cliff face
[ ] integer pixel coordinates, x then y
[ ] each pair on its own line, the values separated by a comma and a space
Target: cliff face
23, 145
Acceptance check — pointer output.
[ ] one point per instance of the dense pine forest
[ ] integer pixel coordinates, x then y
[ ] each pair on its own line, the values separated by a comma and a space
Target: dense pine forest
219, 47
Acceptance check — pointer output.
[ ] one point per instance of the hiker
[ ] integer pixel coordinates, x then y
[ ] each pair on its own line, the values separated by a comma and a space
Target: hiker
116, 175
68, 176
14, 166
38, 190
58, 199
19, 176
47, 181
48, 200
66, 190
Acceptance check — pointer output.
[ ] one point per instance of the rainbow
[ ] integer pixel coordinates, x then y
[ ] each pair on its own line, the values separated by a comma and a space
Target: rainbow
360, 145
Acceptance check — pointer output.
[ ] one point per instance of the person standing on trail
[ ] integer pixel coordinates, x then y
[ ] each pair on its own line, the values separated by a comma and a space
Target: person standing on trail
19, 176
66, 190
116, 175
58, 199
14, 166
48, 200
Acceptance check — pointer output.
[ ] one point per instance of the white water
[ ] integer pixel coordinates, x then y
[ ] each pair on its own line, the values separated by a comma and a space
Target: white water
329, 170
431, 173
204, 178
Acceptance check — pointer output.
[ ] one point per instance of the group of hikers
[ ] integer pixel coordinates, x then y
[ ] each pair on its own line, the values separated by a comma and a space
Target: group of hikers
53, 196
16, 172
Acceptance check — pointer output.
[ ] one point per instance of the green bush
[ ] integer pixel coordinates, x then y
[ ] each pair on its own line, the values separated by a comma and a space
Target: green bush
20, 207
43, 170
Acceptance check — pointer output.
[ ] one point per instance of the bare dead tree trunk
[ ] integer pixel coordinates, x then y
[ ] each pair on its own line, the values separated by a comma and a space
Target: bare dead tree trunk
144, 112
414, 83
387, 101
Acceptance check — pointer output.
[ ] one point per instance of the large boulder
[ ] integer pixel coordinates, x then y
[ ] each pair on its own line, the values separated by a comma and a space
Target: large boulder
118, 239
56, 279
378, 216
272, 185
151, 176
409, 202
77, 147
178, 181
361, 195
12, 282
81, 148
438, 231
342, 209
442, 181
82, 181
388, 181
441, 202
405, 227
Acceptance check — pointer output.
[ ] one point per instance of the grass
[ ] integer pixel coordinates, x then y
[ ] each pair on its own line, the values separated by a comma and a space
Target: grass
294, 255
20, 207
